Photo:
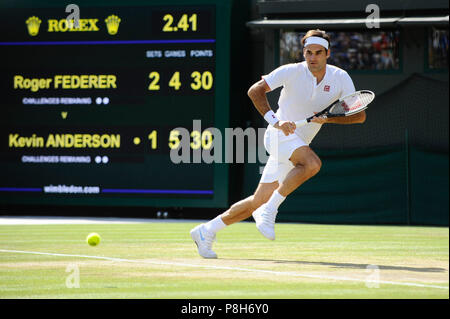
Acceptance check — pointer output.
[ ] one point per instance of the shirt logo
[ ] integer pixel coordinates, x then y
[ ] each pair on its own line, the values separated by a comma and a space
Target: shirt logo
326, 88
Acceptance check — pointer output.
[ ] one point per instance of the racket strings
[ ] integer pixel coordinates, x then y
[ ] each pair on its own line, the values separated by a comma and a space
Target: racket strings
366, 98
353, 103
338, 108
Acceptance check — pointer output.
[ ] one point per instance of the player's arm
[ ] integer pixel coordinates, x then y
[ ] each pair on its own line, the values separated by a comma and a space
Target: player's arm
257, 94
357, 118
347, 88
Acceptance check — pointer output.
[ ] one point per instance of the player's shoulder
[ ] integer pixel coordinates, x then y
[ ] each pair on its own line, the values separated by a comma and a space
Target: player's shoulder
302, 66
336, 71
293, 66
290, 70
298, 68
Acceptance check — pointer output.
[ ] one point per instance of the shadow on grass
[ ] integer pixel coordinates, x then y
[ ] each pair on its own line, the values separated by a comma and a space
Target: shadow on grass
347, 265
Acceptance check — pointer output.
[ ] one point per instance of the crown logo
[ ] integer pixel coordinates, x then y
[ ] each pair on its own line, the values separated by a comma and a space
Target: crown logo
112, 23
33, 24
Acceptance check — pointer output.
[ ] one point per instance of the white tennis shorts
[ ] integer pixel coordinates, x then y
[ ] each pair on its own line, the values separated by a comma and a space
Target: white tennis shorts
280, 149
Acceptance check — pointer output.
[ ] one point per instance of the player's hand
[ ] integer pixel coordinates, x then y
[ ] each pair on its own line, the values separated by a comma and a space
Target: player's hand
287, 127
319, 119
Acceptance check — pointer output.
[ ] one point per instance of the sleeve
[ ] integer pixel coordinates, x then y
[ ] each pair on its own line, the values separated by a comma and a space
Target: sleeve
280, 76
347, 84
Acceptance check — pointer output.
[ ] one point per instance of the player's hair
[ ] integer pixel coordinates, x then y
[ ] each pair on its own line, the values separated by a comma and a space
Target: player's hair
317, 33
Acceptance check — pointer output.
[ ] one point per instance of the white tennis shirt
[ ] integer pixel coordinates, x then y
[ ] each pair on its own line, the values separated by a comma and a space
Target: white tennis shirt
301, 96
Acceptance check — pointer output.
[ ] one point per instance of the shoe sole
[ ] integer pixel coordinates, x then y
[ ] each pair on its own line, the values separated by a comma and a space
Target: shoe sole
265, 236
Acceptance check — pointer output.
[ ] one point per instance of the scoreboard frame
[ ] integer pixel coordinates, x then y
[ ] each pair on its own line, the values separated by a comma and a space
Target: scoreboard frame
218, 198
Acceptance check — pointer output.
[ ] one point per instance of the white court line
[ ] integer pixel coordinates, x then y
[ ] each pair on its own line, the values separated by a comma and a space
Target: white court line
272, 272
62, 220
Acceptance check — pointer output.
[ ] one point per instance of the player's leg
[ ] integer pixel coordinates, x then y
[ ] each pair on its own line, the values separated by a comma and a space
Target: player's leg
304, 164
244, 208
264, 218
204, 234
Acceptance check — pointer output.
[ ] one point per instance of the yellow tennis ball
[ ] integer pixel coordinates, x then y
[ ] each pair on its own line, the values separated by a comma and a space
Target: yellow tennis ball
93, 239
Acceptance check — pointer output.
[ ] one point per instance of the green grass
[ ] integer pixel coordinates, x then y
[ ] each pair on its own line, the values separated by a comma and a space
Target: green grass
160, 261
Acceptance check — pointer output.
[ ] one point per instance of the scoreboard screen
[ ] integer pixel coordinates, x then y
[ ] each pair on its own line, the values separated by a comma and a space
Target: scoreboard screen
97, 99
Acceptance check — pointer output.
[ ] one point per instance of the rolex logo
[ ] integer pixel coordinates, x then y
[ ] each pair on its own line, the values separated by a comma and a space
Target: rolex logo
112, 23
33, 24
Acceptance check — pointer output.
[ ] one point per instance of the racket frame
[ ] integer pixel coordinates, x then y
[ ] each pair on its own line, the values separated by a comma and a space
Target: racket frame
324, 111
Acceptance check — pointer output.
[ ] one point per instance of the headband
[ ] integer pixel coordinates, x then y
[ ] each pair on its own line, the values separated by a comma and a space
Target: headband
316, 40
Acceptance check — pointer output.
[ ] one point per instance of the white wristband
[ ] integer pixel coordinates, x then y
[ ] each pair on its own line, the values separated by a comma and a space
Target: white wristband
271, 118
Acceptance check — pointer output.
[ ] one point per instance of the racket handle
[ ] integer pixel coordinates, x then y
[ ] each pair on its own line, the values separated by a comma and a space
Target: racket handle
301, 123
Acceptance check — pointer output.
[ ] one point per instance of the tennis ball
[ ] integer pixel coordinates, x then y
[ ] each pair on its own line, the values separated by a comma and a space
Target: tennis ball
93, 239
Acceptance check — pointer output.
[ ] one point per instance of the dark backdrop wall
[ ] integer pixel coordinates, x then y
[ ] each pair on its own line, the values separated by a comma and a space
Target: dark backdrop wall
394, 167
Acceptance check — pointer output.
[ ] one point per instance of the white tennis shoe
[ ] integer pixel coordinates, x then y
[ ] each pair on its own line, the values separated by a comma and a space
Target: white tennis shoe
265, 221
204, 240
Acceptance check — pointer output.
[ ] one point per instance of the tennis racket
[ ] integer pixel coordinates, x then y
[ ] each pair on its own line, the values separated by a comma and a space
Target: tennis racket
345, 106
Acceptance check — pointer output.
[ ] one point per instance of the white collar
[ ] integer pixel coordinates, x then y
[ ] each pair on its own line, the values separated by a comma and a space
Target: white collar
312, 75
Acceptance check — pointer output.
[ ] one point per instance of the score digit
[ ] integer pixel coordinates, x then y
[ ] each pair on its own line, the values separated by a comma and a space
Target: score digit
183, 23
202, 80
196, 142
153, 139
207, 140
186, 23
154, 86
193, 21
168, 26
207, 80
174, 139
175, 81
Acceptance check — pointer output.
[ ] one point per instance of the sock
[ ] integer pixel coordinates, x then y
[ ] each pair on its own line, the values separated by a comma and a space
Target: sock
214, 225
275, 201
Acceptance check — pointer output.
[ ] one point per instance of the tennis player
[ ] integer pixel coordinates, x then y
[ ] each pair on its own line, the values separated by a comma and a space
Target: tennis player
308, 87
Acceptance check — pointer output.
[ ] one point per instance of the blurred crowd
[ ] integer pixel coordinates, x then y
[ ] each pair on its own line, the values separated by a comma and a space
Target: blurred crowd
438, 49
350, 50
